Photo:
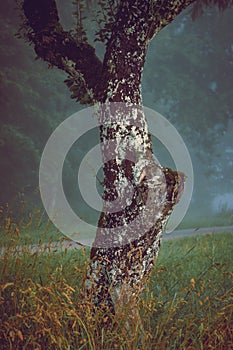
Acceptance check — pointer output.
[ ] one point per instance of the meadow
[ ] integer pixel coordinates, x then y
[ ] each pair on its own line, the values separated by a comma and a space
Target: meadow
187, 304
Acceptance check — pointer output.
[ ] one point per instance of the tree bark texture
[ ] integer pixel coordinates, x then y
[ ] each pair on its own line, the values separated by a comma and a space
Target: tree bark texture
120, 260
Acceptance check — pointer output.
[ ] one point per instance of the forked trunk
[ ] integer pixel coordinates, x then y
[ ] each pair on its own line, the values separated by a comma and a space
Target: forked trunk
139, 194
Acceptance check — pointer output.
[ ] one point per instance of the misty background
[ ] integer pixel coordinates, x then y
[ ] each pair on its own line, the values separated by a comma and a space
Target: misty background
187, 78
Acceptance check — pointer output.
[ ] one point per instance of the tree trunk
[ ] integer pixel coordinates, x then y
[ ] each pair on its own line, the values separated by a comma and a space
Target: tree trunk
139, 194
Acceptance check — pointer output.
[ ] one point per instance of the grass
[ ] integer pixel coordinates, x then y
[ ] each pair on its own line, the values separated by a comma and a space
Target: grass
35, 227
30, 227
187, 303
223, 218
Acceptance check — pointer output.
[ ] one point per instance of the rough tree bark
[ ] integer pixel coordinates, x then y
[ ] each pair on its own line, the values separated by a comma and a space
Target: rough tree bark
118, 269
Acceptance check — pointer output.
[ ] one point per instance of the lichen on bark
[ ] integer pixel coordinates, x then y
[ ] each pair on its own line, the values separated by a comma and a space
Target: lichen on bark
142, 191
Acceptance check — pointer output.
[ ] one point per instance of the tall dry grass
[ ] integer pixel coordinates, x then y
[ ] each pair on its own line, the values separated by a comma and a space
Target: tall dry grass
187, 303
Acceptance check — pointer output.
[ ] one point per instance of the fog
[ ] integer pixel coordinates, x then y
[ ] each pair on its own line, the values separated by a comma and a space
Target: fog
187, 78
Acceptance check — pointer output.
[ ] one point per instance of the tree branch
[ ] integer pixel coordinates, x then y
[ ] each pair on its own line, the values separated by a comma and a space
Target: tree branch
59, 48
137, 22
163, 12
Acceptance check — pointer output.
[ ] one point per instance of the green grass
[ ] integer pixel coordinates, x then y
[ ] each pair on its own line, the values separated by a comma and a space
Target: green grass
187, 303
223, 218
192, 291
